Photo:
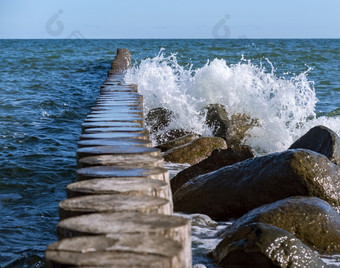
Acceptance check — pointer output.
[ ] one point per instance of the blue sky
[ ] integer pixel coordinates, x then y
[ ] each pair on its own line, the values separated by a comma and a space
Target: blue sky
169, 19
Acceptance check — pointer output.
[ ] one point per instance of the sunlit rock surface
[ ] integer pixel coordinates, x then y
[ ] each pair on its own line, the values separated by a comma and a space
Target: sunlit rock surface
264, 245
312, 220
234, 190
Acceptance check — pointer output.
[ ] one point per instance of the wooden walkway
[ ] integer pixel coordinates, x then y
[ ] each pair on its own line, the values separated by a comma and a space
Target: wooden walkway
119, 212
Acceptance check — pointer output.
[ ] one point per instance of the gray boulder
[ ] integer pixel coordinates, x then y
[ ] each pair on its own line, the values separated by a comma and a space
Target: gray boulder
170, 135
322, 140
218, 158
194, 151
234, 190
233, 129
158, 118
177, 142
264, 245
310, 219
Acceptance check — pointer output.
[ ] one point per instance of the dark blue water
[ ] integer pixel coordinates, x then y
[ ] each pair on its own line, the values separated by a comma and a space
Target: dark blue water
48, 86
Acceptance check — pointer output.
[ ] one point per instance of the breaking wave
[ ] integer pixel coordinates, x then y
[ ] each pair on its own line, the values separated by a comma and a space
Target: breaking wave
284, 106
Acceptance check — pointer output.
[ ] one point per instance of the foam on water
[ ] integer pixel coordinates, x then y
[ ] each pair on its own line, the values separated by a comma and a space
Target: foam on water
284, 106
164, 83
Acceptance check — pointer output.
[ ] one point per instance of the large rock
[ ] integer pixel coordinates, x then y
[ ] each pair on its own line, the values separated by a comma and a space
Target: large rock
322, 140
177, 142
232, 129
310, 219
218, 158
195, 151
165, 137
264, 245
158, 118
234, 190
200, 220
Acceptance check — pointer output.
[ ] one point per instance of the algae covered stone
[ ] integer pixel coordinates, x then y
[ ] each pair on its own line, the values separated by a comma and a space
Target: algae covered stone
195, 151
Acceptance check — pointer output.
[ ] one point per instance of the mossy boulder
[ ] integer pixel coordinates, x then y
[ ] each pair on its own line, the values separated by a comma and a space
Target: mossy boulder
218, 158
194, 151
177, 142
158, 119
264, 245
312, 220
232, 191
170, 135
322, 140
233, 129
200, 220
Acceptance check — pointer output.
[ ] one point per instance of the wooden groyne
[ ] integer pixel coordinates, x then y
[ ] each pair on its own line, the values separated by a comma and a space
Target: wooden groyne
119, 212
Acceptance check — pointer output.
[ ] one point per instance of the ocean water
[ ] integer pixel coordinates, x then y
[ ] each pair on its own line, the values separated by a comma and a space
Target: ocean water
288, 94
48, 86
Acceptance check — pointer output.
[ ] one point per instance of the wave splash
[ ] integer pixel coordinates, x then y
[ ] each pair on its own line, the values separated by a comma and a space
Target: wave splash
284, 107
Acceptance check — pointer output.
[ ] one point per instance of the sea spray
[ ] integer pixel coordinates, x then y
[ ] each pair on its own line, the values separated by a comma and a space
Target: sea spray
163, 83
284, 106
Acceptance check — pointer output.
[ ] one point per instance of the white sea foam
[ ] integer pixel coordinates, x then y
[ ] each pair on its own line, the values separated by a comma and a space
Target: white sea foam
285, 107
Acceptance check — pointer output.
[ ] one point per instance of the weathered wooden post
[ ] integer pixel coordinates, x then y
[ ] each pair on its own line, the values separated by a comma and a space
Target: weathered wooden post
119, 212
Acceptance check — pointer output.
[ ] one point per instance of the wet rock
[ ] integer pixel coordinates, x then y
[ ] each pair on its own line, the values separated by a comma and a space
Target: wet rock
310, 219
239, 125
217, 119
264, 245
195, 151
177, 142
218, 158
232, 129
322, 140
174, 134
234, 190
158, 118
202, 221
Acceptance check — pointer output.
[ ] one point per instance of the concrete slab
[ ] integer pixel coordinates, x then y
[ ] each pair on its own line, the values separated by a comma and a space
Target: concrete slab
82, 205
116, 251
121, 150
121, 160
113, 135
116, 129
126, 186
168, 226
98, 172
116, 141
110, 124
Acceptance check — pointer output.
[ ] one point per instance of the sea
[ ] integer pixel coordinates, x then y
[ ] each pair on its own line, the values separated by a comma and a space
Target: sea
48, 86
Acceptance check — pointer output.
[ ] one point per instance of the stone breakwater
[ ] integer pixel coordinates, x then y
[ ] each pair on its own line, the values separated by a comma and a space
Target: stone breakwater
119, 212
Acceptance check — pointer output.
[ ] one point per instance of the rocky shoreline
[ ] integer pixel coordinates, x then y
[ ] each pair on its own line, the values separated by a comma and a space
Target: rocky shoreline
284, 206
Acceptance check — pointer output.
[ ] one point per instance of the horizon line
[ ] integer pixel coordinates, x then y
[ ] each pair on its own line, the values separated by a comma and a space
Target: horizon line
178, 38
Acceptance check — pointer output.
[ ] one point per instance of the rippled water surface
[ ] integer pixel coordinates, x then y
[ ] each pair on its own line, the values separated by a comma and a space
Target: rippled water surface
48, 86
